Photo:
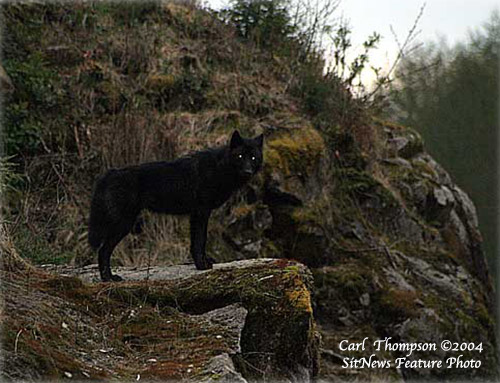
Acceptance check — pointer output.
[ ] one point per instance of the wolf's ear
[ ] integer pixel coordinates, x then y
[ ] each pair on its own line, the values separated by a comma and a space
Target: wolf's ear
259, 140
236, 140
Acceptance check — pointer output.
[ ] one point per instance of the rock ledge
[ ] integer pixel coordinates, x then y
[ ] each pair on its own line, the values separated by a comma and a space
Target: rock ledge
242, 320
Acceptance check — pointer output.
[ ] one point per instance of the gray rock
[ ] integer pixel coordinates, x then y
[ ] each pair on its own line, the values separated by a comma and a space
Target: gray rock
398, 161
90, 273
411, 330
442, 177
458, 227
440, 203
220, 369
398, 143
232, 319
466, 207
406, 144
396, 279
443, 196
364, 299
447, 283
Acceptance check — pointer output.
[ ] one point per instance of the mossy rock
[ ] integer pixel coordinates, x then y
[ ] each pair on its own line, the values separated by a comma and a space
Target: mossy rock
403, 141
160, 319
339, 287
294, 152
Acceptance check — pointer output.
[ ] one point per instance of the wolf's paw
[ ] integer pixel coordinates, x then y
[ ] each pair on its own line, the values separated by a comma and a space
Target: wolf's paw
204, 266
116, 278
205, 263
111, 278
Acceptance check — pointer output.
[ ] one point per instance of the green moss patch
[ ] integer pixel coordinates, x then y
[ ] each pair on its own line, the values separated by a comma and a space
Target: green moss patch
295, 152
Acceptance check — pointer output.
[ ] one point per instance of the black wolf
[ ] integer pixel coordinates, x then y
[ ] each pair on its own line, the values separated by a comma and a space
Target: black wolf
193, 185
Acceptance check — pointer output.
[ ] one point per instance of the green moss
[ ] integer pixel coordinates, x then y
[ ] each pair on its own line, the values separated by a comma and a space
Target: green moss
349, 280
306, 216
484, 317
393, 305
295, 152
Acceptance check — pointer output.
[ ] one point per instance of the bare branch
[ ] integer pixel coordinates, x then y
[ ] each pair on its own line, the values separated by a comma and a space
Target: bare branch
412, 33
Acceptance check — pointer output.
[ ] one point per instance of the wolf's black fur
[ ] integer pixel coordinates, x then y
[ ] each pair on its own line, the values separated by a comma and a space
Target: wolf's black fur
193, 185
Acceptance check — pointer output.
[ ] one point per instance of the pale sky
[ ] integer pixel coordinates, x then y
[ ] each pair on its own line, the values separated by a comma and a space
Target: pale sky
448, 19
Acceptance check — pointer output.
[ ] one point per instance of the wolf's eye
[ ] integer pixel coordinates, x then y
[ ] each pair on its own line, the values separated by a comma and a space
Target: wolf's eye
253, 158
240, 155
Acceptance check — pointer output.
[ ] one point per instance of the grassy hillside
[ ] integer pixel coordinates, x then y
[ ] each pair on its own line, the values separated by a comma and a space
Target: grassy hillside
389, 237
101, 85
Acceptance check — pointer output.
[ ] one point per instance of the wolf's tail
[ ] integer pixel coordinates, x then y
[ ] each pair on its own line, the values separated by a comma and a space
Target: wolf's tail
97, 220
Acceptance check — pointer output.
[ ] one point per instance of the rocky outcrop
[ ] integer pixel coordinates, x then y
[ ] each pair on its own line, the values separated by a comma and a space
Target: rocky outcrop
235, 323
393, 245
392, 242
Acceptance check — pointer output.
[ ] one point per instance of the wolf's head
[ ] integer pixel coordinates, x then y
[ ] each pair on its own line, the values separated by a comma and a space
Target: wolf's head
245, 155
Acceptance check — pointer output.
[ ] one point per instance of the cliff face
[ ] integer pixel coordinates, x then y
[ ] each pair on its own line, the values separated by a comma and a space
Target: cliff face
407, 263
392, 243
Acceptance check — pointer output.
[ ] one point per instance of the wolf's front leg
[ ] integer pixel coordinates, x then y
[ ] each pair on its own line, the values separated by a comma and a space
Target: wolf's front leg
198, 229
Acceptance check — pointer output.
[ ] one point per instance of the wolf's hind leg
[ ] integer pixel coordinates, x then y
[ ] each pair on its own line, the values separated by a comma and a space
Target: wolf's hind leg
105, 259
107, 249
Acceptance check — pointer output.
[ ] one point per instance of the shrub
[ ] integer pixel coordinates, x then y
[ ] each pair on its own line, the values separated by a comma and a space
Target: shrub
326, 93
34, 97
265, 22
